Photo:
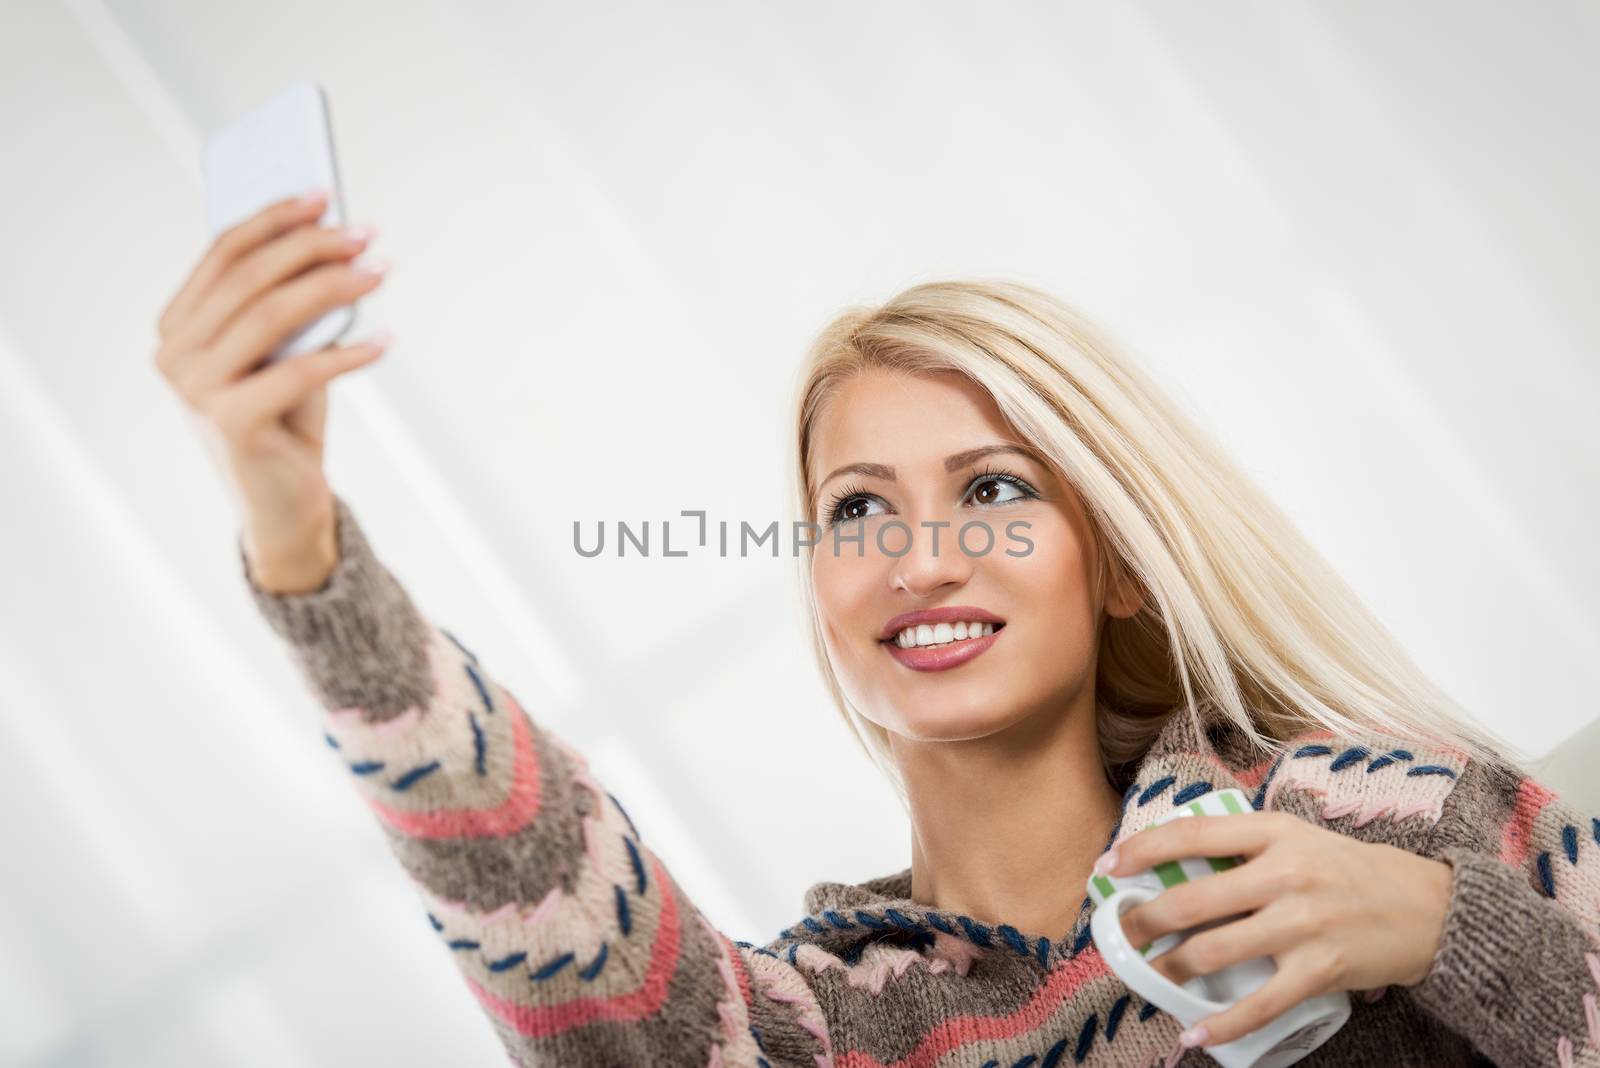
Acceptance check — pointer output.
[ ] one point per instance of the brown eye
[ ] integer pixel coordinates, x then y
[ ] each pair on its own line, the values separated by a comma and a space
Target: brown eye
851, 504
998, 489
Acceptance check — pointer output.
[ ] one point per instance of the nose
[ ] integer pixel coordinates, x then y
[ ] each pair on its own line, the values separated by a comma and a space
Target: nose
932, 562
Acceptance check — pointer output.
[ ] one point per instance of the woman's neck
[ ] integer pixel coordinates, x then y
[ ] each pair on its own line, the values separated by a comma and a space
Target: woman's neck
1006, 828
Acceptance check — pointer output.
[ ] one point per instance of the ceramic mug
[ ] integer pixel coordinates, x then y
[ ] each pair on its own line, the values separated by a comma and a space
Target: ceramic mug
1282, 1040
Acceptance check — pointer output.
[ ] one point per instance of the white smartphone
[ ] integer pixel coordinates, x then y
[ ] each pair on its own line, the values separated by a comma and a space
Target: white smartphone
279, 149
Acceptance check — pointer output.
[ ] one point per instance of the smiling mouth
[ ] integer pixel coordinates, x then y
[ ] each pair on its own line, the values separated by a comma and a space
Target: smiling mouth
942, 635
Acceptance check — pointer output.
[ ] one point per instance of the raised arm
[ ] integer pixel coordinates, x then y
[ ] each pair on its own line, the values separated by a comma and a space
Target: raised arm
568, 930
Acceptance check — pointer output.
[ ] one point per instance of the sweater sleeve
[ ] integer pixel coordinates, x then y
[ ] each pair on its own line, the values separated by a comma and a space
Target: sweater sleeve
1517, 970
568, 930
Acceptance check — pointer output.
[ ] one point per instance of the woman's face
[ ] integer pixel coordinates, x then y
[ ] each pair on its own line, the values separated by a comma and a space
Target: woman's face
907, 460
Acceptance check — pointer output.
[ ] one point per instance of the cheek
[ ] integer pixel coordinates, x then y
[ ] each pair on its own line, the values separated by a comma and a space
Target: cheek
841, 593
1051, 584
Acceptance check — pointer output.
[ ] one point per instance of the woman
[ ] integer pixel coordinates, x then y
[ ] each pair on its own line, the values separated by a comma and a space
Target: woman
1052, 611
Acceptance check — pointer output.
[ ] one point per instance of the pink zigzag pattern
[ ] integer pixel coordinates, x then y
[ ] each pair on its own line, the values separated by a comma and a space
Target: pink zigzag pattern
956, 1032
647, 999
781, 983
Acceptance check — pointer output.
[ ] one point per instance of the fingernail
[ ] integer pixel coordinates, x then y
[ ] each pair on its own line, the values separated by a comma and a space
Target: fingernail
380, 340
372, 268
313, 196
359, 233
1107, 861
1194, 1036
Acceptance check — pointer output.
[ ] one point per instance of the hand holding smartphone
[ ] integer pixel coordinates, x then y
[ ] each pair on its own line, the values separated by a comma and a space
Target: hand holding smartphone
274, 282
282, 148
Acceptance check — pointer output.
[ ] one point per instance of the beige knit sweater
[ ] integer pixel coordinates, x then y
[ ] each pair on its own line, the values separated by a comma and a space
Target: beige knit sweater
583, 951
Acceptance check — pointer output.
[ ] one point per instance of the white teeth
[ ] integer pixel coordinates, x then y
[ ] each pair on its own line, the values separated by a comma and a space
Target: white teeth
941, 633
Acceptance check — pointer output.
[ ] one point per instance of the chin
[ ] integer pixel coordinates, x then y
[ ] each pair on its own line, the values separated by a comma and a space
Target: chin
948, 721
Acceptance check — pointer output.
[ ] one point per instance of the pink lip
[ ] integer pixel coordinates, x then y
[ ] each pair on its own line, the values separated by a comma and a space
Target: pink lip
943, 657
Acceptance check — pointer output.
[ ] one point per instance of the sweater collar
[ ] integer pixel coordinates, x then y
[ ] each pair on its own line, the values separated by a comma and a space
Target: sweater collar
844, 918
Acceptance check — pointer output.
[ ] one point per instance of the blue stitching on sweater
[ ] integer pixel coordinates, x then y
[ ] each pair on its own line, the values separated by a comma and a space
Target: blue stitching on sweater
1261, 791
330, 739
631, 828
1053, 1055
1114, 1017
1569, 842
638, 864
901, 920
464, 943
1085, 1038
939, 922
1431, 769
469, 653
1149, 1010
1547, 877
478, 744
842, 923
1042, 951
483, 691
1312, 750
551, 968
755, 1033
510, 961
975, 931
1083, 940
599, 962
433, 921
414, 776
367, 767
1350, 756
1013, 939
991, 1063
1155, 788
796, 946
1024, 1062
1388, 758
870, 920
624, 917
813, 925
1596, 826
1190, 792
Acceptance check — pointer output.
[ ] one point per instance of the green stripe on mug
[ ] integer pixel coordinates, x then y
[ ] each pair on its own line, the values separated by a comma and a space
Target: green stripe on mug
1171, 874
1102, 884
1230, 801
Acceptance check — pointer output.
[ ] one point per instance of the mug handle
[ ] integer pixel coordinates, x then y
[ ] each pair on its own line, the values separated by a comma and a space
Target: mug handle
1132, 968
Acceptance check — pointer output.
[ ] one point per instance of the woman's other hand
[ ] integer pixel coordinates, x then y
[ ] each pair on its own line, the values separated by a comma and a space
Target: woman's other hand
260, 282
1334, 912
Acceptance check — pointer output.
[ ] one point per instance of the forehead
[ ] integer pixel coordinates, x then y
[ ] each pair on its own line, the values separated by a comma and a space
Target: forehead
893, 413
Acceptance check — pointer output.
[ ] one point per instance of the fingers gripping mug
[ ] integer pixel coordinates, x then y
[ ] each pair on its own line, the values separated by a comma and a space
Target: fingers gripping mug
1283, 1040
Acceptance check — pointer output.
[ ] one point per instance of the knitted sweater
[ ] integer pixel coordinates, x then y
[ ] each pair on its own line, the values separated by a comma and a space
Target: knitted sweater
583, 950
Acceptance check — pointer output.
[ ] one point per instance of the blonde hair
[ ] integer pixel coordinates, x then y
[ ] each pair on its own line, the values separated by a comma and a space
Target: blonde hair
1242, 617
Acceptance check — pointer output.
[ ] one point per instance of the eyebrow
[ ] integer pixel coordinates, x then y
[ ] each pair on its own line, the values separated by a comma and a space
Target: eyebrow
953, 462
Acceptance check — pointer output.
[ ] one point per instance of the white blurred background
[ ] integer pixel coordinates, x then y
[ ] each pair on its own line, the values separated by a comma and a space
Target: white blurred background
1357, 240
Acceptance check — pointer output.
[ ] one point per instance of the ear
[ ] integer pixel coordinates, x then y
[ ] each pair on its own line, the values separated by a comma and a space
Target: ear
1124, 595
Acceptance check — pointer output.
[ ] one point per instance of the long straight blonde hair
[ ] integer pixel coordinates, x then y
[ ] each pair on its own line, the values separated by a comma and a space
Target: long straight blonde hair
1242, 617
